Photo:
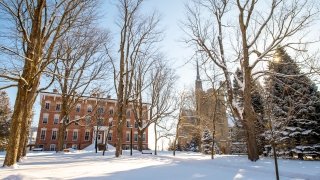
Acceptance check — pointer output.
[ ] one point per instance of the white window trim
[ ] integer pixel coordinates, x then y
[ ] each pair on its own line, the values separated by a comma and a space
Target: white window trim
46, 103
45, 115
56, 106
54, 147
87, 131
78, 106
128, 140
75, 130
45, 133
56, 116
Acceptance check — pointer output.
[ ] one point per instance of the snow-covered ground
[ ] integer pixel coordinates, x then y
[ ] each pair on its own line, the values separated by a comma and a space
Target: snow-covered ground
86, 164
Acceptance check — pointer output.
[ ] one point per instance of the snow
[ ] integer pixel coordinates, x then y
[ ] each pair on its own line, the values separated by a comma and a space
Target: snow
86, 164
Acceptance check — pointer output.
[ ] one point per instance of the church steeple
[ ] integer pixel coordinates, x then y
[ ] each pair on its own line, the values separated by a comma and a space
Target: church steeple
198, 80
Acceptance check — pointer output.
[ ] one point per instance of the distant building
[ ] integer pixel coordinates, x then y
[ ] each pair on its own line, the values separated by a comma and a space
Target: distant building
32, 137
189, 129
82, 133
210, 113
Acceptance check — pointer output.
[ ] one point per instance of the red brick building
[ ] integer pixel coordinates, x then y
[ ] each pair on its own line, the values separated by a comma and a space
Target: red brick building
82, 133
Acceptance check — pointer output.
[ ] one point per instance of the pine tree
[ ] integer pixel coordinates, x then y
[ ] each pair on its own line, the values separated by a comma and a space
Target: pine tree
5, 113
206, 142
257, 104
295, 110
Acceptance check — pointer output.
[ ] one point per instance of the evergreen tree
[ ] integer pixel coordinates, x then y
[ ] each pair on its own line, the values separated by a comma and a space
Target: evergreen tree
257, 104
5, 113
206, 142
194, 144
295, 110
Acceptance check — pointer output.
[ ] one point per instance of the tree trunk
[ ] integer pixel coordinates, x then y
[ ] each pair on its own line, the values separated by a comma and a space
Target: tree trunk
275, 159
25, 99
25, 127
15, 127
249, 117
140, 140
155, 139
120, 125
62, 131
176, 138
96, 139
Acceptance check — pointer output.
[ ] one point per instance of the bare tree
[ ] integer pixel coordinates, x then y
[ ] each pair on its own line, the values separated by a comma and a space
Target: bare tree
80, 66
36, 26
185, 101
162, 130
258, 30
137, 35
158, 88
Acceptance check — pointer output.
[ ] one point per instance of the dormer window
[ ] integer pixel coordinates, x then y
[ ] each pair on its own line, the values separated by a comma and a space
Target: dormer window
58, 107
89, 109
78, 108
100, 110
128, 113
111, 111
47, 105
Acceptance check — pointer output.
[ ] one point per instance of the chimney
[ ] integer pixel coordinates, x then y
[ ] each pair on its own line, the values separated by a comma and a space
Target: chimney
55, 90
109, 97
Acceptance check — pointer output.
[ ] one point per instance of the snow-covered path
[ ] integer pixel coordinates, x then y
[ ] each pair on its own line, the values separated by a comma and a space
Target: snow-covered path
88, 165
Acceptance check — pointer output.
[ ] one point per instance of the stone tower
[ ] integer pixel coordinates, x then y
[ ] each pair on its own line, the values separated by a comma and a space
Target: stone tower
198, 80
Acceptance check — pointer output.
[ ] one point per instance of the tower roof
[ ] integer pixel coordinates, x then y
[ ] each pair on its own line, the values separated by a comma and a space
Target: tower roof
198, 74
198, 79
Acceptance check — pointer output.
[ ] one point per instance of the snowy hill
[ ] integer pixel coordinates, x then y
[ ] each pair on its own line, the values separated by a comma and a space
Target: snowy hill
92, 148
86, 164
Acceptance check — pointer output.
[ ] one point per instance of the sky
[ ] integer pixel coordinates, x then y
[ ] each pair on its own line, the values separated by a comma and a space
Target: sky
172, 12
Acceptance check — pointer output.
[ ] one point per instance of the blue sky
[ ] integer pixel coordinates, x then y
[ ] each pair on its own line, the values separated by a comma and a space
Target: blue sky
171, 12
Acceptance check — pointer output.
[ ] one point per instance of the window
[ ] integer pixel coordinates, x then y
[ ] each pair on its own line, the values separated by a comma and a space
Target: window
47, 105
87, 136
88, 120
45, 118
100, 110
100, 121
56, 119
110, 136
65, 135
128, 123
52, 147
136, 124
127, 136
78, 108
144, 137
77, 119
43, 134
111, 112
75, 135
54, 135
128, 113
89, 108
110, 123
135, 137
58, 107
